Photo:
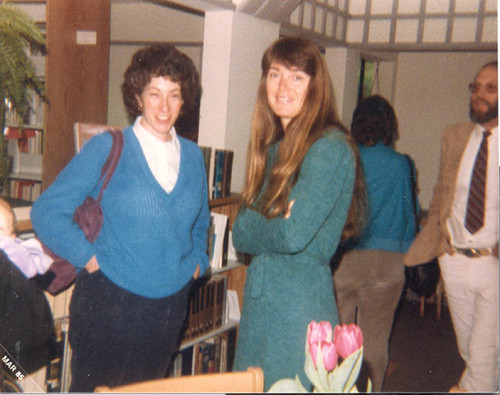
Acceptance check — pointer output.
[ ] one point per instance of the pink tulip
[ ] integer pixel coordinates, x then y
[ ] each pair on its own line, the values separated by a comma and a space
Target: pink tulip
318, 333
347, 339
330, 355
328, 351
313, 350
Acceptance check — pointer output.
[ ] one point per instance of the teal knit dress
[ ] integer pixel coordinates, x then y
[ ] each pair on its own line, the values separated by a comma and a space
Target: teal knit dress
289, 282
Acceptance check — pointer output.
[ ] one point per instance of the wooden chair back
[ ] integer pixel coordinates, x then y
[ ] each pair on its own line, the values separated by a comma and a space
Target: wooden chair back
252, 380
85, 131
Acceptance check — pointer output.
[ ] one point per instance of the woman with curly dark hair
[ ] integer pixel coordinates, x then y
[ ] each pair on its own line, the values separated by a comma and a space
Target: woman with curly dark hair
370, 277
131, 291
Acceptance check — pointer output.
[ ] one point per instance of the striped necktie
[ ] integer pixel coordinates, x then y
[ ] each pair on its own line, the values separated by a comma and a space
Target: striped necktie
474, 215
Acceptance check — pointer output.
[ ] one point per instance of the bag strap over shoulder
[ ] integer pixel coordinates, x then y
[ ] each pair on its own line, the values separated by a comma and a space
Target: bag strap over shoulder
413, 178
114, 156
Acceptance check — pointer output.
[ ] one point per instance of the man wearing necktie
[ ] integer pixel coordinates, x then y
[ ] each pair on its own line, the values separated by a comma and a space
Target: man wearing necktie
462, 230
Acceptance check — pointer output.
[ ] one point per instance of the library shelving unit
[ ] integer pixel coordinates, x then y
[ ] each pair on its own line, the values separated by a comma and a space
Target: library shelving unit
213, 350
25, 143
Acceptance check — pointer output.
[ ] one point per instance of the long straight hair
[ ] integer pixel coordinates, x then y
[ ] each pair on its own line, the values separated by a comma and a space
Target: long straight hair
315, 117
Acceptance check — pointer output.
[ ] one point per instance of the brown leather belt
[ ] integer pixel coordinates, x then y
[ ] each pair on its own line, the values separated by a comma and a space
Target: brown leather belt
473, 252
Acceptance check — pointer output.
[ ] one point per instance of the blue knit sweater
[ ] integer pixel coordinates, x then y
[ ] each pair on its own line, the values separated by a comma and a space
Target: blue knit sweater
391, 221
151, 240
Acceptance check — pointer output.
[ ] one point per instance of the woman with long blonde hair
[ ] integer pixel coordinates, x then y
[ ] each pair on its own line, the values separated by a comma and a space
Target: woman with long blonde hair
302, 195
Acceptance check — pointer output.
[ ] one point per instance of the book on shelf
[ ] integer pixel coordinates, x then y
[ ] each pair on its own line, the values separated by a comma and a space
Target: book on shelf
212, 355
34, 115
232, 307
218, 240
206, 307
204, 355
24, 146
223, 165
207, 157
219, 168
182, 364
176, 366
29, 140
28, 190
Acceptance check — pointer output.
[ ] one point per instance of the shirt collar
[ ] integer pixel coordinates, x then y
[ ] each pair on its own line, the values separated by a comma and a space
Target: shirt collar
144, 135
478, 130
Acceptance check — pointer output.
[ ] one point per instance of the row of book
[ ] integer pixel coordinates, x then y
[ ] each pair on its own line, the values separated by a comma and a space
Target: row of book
213, 355
29, 140
206, 307
24, 189
221, 165
34, 116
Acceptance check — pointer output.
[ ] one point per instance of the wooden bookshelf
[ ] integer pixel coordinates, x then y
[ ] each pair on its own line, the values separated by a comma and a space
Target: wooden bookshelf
229, 325
23, 226
237, 274
228, 206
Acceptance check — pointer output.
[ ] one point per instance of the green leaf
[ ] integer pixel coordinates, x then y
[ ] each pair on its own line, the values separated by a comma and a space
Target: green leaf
312, 372
288, 386
322, 372
343, 378
369, 386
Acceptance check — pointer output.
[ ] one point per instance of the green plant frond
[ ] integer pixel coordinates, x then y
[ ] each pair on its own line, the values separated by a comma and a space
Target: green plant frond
18, 34
17, 73
12, 77
15, 21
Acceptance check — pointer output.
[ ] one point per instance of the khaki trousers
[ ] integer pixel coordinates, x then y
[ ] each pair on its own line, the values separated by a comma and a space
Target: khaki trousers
368, 286
471, 286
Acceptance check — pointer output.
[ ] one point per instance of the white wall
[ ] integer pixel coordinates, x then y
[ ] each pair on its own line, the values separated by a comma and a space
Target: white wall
133, 25
233, 48
344, 66
431, 93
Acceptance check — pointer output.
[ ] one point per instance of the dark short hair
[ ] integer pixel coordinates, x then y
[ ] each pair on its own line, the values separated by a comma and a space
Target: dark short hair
160, 60
374, 120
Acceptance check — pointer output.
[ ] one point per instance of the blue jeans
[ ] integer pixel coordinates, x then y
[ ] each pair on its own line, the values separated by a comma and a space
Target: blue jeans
118, 337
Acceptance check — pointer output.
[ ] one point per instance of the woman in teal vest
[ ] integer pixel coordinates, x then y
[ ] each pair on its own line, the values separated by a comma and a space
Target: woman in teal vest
301, 174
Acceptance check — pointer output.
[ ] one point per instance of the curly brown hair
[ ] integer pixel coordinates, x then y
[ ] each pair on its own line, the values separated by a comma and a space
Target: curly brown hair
160, 60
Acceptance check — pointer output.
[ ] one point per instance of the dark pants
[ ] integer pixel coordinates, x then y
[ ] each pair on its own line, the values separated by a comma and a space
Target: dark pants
118, 337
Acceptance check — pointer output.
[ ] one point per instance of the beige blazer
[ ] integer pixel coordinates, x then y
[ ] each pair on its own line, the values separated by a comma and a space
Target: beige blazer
433, 239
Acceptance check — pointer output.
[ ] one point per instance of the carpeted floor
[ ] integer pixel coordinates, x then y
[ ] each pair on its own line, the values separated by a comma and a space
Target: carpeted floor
423, 353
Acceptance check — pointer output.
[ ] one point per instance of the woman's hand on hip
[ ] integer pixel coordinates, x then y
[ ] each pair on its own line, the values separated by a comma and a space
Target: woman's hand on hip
92, 265
196, 272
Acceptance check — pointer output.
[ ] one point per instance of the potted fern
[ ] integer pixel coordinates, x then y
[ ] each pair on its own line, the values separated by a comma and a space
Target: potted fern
18, 36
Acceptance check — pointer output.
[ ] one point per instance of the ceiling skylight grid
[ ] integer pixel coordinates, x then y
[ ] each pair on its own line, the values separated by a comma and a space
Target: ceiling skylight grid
400, 24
